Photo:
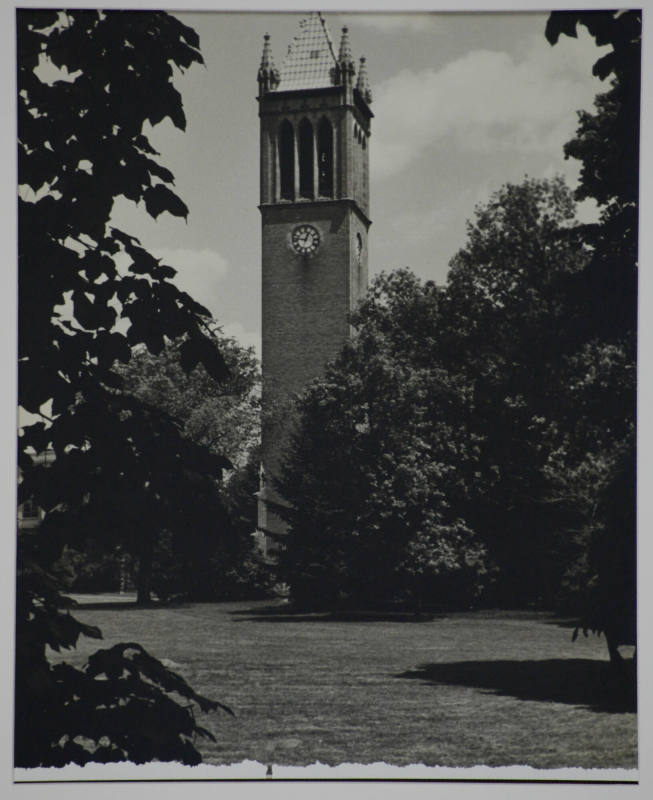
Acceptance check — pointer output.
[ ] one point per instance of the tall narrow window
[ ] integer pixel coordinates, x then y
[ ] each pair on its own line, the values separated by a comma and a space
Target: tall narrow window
325, 158
287, 161
305, 159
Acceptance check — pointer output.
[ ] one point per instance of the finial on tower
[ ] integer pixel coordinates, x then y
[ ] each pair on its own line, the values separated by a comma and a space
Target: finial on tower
268, 74
345, 68
345, 48
362, 84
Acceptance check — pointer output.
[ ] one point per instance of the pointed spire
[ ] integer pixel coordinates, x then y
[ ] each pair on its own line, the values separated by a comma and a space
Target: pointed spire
344, 54
268, 74
345, 59
266, 58
363, 84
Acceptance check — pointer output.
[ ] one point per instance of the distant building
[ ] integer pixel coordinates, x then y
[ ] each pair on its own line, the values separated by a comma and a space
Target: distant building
314, 153
29, 514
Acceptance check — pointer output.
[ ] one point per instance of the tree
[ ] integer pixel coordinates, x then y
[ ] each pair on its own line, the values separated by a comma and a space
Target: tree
223, 416
424, 462
378, 465
505, 324
88, 82
552, 397
212, 557
239, 570
607, 144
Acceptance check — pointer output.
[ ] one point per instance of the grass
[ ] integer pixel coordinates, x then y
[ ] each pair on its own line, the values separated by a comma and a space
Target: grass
464, 689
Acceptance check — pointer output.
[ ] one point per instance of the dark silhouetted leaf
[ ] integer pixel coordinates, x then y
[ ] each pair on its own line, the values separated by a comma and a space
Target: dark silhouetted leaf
561, 22
105, 465
159, 199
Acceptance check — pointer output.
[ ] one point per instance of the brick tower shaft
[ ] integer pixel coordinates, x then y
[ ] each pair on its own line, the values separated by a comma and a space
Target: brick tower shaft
314, 145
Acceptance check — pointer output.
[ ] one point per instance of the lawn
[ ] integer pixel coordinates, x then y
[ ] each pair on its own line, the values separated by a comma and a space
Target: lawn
463, 689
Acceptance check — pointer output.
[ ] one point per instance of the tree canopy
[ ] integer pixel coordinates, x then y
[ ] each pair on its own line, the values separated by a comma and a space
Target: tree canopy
222, 415
212, 554
89, 84
607, 145
506, 327
422, 456
371, 477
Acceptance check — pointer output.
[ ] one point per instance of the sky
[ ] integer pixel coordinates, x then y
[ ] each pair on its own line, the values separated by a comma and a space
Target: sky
463, 103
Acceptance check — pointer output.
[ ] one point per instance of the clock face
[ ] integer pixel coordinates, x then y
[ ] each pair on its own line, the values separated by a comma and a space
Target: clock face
305, 240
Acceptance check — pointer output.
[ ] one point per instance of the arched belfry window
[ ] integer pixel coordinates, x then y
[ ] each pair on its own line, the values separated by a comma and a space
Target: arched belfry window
325, 158
305, 159
287, 161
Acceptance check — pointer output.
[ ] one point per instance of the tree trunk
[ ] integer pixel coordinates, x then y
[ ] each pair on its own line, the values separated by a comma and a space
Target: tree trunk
144, 574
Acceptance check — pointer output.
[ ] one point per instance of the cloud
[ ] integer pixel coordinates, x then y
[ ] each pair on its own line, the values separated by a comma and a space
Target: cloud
486, 101
199, 272
393, 22
417, 225
246, 338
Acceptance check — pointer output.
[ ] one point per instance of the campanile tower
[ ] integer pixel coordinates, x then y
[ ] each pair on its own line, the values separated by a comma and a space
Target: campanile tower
315, 128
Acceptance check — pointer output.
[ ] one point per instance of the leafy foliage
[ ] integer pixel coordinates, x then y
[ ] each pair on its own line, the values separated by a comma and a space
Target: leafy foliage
88, 83
455, 447
237, 570
607, 145
224, 415
608, 142
212, 555
506, 326
379, 464
101, 567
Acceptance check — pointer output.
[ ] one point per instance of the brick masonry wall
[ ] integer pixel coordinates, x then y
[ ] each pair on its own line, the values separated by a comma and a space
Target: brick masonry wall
306, 301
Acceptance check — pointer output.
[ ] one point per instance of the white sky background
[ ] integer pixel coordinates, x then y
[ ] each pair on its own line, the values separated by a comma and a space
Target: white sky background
463, 103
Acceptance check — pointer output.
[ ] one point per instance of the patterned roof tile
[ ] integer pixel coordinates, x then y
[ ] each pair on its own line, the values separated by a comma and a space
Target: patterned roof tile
310, 60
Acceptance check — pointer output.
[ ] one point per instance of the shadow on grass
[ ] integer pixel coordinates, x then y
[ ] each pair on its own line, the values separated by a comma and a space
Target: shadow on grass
576, 681
285, 613
124, 605
563, 622
106, 606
